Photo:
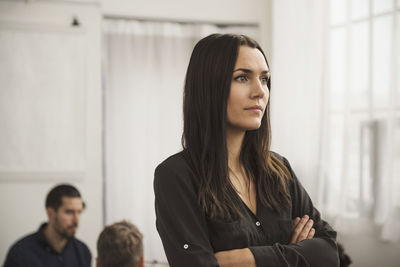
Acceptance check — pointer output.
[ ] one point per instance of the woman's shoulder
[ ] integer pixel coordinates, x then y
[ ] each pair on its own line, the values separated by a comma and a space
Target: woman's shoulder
279, 157
292, 178
173, 170
177, 162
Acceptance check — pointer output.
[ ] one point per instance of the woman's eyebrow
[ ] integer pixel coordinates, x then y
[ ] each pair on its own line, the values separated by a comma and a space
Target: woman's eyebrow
250, 71
266, 72
244, 70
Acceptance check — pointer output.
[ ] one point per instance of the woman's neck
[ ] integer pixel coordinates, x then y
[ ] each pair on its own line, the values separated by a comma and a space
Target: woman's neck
240, 182
234, 141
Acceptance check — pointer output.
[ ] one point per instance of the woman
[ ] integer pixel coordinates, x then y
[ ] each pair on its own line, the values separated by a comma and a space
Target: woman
226, 200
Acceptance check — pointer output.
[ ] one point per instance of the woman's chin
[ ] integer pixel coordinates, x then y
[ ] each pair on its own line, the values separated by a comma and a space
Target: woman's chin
248, 126
253, 127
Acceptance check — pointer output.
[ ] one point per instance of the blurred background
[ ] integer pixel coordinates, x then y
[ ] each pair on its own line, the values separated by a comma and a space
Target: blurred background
91, 94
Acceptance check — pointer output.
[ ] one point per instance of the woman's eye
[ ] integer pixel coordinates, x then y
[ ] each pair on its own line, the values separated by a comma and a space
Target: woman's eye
264, 80
241, 78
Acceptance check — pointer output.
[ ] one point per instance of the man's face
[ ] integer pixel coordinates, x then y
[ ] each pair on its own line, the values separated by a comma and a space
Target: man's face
65, 219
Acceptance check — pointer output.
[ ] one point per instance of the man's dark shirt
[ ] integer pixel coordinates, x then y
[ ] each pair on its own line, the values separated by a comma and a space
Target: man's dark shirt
34, 251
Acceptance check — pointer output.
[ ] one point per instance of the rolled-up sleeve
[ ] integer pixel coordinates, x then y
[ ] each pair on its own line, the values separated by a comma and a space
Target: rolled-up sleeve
180, 221
316, 252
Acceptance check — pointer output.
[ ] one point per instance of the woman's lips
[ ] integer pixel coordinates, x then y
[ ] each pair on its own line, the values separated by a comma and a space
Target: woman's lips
255, 108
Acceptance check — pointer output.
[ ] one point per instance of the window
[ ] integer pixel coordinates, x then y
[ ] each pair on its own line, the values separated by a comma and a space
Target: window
362, 107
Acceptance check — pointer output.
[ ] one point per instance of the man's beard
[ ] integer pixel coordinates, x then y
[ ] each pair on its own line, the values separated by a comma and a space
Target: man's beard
63, 232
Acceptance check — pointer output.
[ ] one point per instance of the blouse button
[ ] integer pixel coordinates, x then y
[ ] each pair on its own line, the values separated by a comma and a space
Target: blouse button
258, 223
186, 246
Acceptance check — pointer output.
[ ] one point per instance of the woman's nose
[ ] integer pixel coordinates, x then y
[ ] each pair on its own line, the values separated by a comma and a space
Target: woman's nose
258, 89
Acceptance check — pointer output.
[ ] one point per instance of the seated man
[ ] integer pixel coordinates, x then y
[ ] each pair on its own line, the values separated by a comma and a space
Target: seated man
54, 243
120, 244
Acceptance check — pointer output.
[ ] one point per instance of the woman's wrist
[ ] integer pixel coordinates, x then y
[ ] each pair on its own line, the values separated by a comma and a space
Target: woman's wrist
248, 255
236, 258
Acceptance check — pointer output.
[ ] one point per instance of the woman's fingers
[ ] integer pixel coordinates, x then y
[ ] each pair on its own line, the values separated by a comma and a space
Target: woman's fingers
296, 221
311, 233
302, 229
298, 228
306, 230
295, 225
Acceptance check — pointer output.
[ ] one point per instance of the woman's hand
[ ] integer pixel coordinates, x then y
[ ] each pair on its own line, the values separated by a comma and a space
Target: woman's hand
244, 258
302, 229
236, 258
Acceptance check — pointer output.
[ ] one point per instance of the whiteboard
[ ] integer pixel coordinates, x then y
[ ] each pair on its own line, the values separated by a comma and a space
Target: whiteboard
42, 102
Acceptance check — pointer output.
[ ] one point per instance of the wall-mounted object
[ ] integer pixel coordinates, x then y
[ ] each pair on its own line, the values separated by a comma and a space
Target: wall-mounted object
42, 102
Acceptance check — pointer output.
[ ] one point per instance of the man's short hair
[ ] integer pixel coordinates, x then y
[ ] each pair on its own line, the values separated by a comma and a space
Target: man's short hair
54, 197
120, 244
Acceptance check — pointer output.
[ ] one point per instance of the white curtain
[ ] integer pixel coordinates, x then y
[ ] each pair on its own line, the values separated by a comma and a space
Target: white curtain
144, 68
387, 177
344, 149
296, 75
361, 149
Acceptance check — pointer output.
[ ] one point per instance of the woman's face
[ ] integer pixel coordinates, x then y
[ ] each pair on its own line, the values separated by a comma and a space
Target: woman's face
249, 93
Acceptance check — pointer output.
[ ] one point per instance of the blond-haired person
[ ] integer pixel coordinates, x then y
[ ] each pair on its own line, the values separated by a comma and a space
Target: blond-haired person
120, 244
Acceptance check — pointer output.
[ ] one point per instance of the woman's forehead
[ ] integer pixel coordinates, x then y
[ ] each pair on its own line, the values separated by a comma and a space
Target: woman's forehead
251, 58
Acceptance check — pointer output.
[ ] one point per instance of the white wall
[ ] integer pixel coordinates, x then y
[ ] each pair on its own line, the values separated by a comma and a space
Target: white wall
22, 200
221, 11
227, 11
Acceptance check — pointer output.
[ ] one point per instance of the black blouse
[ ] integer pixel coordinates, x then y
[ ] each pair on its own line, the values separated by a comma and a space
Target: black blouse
191, 238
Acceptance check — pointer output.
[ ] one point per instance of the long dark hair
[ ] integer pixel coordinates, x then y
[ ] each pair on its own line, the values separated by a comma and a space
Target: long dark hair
206, 92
